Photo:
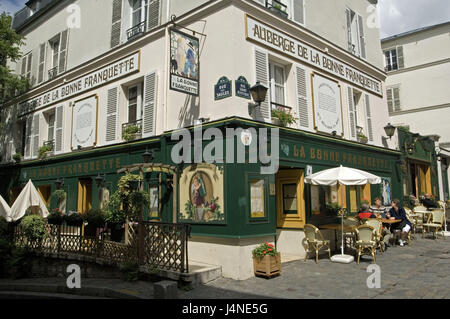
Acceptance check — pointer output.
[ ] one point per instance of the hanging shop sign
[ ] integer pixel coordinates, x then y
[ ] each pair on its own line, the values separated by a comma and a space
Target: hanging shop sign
261, 33
84, 123
222, 89
202, 195
103, 76
242, 88
327, 105
184, 63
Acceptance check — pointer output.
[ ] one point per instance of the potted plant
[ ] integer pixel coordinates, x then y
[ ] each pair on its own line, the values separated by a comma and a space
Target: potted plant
131, 132
73, 219
55, 217
266, 261
115, 217
17, 158
44, 151
94, 219
282, 117
332, 209
362, 138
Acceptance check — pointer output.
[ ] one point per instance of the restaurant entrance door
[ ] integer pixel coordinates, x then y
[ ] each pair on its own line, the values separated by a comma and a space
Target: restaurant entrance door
420, 179
84, 195
290, 198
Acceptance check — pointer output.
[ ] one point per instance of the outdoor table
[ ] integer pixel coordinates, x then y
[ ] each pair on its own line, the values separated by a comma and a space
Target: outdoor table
336, 227
391, 221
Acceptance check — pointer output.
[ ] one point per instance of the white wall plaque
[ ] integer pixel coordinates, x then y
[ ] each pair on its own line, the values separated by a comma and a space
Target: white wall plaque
327, 105
84, 123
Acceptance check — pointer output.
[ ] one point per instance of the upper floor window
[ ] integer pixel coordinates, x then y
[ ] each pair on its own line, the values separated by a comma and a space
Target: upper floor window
138, 11
292, 9
277, 84
135, 103
355, 33
26, 65
393, 99
394, 59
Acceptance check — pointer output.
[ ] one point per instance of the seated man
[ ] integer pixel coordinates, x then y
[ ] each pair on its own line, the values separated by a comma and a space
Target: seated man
364, 212
378, 209
399, 213
428, 202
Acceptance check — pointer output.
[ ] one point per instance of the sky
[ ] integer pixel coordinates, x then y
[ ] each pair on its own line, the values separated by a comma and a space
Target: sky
396, 16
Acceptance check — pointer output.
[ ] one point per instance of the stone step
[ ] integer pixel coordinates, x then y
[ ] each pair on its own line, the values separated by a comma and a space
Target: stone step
199, 273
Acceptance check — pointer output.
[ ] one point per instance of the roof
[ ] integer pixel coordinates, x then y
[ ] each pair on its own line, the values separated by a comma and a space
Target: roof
404, 34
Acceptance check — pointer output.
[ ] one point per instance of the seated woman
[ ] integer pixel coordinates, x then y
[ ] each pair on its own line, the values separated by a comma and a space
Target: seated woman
399, 213
364, 212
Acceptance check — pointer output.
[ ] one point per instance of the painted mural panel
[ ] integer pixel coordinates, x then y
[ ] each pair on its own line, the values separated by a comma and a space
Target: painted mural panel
386, 190
202, 194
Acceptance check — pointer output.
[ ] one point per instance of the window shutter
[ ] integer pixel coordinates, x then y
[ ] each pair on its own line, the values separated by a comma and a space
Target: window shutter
299, 11
153, 14
390, 100
116, 23
352, 113
111, 114
396, 99
362, 37
63, 51
28, 132
24, 66
400, 57
349, 29
35, 135
42, 48
59, 129
150, 92
369, 118
262, 75
302, 100
29, 64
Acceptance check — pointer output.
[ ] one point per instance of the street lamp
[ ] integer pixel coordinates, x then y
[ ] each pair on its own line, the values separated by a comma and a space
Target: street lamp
410, 149
259, 93
59, 183
148, 156
390, 130
99, 180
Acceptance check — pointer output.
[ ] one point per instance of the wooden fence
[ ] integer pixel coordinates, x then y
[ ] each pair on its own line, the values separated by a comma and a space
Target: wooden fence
160, 246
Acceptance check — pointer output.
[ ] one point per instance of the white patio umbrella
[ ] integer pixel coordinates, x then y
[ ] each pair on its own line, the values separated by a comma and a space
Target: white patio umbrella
343, 176
29, 197
5, 210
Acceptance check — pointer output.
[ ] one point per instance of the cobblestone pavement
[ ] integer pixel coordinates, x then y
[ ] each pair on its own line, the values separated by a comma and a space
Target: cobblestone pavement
421, 270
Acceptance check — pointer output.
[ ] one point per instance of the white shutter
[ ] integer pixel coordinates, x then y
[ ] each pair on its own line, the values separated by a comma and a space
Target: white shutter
390, 99
24, 67
153, 14
302, 99
36, 123
112, 108
400, 57
149, 104
351, 113
28, 133
262, 75
59, 129
41, 71
362, 37
348, 15
29, 65
298, 12
116, 27
63, 51
369, 118
396, 95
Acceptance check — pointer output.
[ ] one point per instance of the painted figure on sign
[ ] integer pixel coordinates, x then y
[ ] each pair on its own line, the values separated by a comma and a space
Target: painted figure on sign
189, 66
199, 194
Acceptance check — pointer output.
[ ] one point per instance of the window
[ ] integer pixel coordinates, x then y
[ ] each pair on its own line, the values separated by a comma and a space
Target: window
138, 11
58, 50
355, 34
51, 125
292, 9
394, 59
135, 103
257, 198
393, 99
26, 65
54, 45
277, 84
320, 196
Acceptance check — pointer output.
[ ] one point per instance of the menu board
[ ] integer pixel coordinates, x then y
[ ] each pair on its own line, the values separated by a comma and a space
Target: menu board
257, 199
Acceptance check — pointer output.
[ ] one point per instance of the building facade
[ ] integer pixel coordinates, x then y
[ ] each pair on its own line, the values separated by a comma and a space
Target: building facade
157, 67
418, 65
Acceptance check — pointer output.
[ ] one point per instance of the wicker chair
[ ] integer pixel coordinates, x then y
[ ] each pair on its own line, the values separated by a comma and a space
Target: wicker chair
366, 243
436, 222
419, 221
349, 237
378, 226
413, 222
314, 238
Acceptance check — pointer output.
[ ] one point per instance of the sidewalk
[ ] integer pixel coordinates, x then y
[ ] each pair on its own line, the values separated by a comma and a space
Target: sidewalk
421, 270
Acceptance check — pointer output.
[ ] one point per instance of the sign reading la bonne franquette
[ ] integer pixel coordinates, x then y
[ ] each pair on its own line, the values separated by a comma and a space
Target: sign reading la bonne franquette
89, 81
279, 41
